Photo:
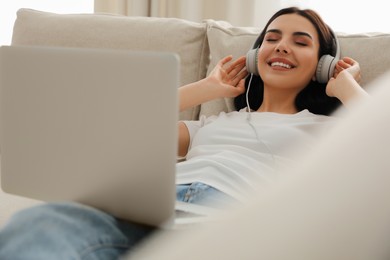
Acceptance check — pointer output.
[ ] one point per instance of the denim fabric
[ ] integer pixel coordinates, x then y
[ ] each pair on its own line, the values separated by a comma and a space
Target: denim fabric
73, 231
202, 194
67, 231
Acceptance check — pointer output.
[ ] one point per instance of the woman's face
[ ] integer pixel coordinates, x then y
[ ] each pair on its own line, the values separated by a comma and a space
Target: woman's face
288, 56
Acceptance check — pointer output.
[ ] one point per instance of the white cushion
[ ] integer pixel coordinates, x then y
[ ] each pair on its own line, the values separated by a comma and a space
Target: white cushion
371, 50
225, 39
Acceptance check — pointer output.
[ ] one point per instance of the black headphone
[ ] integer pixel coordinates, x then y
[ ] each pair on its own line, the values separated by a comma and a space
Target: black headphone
325, 66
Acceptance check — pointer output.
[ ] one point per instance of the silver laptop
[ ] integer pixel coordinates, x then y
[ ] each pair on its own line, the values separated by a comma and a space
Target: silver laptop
93, 126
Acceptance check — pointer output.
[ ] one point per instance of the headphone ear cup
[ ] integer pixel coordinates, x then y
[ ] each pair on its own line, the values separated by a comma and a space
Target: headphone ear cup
325, 68
251, 61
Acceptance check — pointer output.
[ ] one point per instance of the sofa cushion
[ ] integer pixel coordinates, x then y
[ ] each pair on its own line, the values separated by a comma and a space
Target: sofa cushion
186, 38
370, 50
224, 39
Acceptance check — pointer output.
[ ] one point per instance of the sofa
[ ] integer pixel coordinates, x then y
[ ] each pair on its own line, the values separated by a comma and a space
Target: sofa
200, 46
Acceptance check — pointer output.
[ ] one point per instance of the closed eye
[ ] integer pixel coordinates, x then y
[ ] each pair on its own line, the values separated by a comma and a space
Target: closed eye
301, 43
271, 40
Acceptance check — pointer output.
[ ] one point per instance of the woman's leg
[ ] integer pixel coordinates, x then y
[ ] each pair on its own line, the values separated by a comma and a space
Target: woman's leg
73, 231
203, 194
68, 231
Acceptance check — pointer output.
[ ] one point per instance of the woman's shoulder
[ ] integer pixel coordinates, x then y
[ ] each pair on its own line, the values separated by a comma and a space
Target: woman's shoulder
308, 114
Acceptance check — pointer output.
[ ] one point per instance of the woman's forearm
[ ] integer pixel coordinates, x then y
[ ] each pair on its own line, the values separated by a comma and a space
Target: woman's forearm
194, 94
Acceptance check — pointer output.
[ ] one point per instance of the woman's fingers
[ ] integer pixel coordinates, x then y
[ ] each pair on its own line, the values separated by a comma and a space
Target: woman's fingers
236, 70
239, 76
350, 65
238, 63
225, 60
232, 72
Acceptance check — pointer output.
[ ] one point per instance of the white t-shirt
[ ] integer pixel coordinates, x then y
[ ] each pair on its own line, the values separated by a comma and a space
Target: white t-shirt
226, 154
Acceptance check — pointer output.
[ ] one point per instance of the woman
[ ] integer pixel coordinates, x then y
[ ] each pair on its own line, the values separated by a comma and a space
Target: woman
227, 156
286, 93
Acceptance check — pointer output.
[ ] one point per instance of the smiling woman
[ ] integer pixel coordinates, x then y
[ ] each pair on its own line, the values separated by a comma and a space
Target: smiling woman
233, 156
299, 40
8, 12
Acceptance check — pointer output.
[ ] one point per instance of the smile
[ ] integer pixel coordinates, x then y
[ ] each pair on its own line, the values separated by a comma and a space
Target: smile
281, 64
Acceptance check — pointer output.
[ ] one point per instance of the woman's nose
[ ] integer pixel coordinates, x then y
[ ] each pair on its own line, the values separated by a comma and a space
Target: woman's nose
282, 47
281, 50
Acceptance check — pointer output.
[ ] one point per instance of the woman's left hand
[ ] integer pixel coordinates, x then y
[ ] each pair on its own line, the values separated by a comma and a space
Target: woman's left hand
345, 83
344, 66
350, 65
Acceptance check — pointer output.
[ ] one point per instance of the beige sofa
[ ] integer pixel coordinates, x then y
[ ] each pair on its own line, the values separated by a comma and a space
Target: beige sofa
200, 46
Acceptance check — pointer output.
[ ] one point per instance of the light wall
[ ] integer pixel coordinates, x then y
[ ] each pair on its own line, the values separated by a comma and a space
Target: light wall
237, 12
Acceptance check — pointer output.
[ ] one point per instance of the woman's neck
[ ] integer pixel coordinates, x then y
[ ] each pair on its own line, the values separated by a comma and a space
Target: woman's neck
278, 101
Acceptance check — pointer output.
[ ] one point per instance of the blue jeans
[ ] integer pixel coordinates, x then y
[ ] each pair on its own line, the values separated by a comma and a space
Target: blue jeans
73, 231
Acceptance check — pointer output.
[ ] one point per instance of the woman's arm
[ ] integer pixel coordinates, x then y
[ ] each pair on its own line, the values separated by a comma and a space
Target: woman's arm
184, 139
345, 83
226, 80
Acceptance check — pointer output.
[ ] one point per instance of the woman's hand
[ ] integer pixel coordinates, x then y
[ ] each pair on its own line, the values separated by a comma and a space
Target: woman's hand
350, 65
345, 83
225, 80
228, 78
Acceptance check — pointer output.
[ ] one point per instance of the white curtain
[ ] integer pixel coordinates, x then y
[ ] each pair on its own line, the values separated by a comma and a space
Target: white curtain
237, 12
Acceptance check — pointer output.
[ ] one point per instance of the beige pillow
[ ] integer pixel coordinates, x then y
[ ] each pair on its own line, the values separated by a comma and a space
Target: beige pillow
370, 50
225, 39
186, 38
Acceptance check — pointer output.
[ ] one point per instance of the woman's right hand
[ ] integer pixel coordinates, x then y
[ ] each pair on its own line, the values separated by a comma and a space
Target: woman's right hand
228, 78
